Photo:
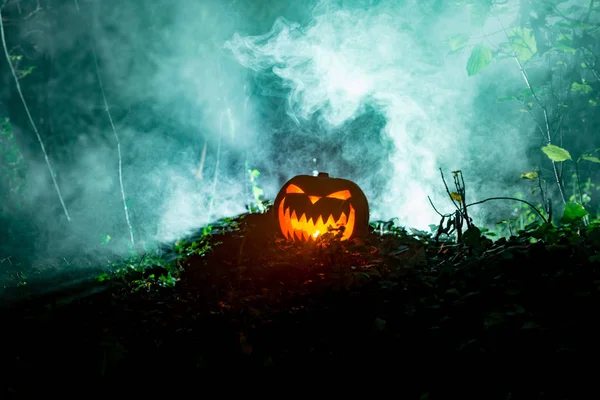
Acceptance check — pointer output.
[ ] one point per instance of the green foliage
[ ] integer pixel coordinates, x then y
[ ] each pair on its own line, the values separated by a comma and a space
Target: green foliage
21, 72
147, 272
583, 192
582, 87
532, 175
522, 42
573, 212
257, 192
555, 49
12, 166
590, 158
479, 59
458, 42
197, 247
105, 239
555, 153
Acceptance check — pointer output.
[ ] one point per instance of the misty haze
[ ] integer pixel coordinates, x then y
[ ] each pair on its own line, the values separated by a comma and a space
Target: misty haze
200, 92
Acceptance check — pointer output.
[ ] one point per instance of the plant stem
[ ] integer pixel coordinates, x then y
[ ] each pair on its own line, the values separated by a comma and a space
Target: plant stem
585, 220
39, 138
547, 122
542, 106
107, 109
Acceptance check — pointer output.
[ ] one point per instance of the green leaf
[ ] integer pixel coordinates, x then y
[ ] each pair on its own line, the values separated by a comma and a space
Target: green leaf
555, 153
573, 212
523, 43
530, 175
565, 48
505, 99
254, 174
457, 42
581, 87
479, 59
589, 157
257, 193
103, 277
524, 94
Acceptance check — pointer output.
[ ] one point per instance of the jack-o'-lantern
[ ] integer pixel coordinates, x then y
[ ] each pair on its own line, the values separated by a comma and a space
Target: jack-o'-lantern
308, 206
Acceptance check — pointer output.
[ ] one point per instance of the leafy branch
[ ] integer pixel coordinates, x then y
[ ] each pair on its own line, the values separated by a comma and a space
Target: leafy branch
541, 34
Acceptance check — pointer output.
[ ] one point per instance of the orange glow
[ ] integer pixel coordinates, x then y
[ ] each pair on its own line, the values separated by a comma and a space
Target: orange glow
293, 189
341, 195
300, 228
314, 199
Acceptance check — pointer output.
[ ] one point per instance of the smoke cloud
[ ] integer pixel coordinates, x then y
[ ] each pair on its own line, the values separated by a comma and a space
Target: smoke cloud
388, 59
202, 91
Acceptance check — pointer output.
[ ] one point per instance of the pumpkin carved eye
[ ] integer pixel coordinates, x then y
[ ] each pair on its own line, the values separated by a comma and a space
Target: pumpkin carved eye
293, 189
341, 195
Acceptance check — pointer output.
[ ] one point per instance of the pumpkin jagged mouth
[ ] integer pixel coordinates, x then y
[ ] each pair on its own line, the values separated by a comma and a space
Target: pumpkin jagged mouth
302, 228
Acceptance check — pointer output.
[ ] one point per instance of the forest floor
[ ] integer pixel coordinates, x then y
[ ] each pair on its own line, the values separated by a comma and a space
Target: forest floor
236, 298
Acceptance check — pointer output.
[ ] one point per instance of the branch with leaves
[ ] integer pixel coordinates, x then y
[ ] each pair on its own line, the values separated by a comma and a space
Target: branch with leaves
548, 38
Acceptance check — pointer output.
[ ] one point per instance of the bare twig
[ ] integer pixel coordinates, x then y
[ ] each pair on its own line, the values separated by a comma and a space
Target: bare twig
107, 109
448, 190
510, 198
216, 176
435, 209
114, 130
460, 187
202, 160
39, 138
488, 199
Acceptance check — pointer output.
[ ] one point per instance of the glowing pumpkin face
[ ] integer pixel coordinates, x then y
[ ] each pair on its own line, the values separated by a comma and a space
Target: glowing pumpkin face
307, 206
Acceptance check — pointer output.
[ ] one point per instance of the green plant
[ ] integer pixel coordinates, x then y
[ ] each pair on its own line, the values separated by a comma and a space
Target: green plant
12, 166
21, 72
146, 272
556, 39
256, 203
197, 247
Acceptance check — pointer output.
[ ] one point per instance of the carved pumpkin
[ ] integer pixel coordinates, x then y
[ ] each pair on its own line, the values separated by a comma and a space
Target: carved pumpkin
307, 206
